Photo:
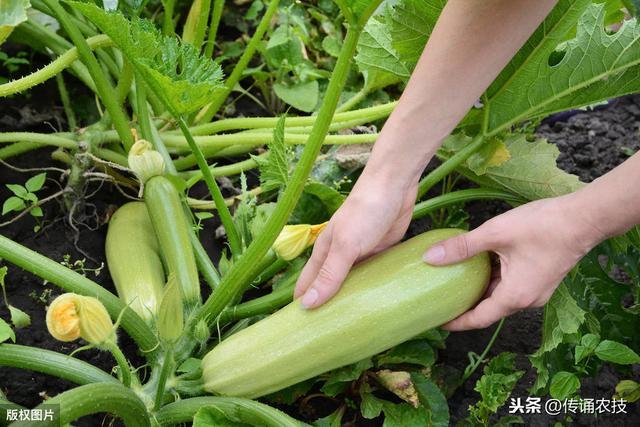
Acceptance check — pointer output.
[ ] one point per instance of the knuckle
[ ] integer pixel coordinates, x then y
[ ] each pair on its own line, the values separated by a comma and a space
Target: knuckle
461, 246
327, 277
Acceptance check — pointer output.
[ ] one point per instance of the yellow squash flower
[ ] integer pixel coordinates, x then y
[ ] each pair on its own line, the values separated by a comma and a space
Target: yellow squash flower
294, 239
72, 316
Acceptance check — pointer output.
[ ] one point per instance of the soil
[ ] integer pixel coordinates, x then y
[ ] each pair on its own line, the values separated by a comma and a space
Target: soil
591, 143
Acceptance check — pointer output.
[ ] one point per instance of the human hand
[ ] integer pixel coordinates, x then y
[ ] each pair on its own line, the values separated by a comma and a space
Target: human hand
537, 244
374, 216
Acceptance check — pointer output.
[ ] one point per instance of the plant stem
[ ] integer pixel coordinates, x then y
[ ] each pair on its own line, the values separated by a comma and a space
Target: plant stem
52, 363
166, 370
449, 165
215, 142
66, 102
249, 411
216, 15
354, 100
261, 305
243, 271
123, 364
105, 90
364, 115
167, 22
198, 14
205, 266
100, 398
40, 138
71, 281
124, 84
226, 170
18, 148
423, 208
207, 113
225, 216
472, 368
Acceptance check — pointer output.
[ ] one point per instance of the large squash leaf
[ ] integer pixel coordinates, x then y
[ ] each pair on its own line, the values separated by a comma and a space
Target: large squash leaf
12, 14
391, 43
175, 71
514, 164
595, 66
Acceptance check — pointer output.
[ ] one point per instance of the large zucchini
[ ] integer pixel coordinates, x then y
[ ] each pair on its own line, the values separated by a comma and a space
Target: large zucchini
384, 301
133, 258
171, 226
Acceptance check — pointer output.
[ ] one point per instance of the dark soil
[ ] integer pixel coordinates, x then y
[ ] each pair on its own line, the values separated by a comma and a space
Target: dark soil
591, 143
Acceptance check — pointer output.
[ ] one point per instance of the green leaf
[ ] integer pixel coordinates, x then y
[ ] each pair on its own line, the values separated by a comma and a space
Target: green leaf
338, 379
628, 390
302, 96
6, 332
36, 182
274, 169
594, 66
17, 189
587, 345
13, 203
357, 11
175, 71
564, 385
36, 212
370, 406
331, 420
211, 416
612, 351
403, 415
329, 197
376, 57
562, 318
289, 395
19, 318
417, 352
431, 397
12, 14
191, 365
530, 171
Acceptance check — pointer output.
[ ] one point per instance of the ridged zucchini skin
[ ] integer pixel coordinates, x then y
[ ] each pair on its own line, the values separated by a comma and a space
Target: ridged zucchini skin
171, 226
384, 301
133, 259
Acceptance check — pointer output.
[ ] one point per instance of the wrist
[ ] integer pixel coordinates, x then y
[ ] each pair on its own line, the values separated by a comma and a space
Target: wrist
586, 218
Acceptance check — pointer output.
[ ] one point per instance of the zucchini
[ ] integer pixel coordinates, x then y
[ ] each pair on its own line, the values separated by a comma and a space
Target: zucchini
384, 301
172, 230
133, 259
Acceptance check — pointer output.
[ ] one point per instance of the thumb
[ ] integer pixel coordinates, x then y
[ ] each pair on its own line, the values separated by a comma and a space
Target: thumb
458, 248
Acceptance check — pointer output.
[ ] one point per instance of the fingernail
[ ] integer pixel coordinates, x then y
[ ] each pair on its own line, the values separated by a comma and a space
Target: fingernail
434, 254
309, 298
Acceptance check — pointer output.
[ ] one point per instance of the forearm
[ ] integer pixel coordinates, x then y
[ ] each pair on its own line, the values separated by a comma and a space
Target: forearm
610, 205
470, 44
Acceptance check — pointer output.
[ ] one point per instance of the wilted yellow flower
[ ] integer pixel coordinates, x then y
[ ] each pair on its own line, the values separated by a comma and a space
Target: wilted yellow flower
72, 316
144, 161
294, 239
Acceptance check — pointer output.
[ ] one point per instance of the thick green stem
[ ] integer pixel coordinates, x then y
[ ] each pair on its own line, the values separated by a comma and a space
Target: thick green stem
216, 15
207, 113
123, 364
216, 142
262, 305
167, 21
226, 170
98, 398
71, 281
18, 148
423, 208
216, 194
51, 363
249, 411
362, 116
124, 84
105, 90
66, 102
449, 165
205, 266
39, 138
244, 270
165, 372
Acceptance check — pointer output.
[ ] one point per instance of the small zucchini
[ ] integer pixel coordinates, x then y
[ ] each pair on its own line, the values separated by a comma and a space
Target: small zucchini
133, 258
171, 227
384, 301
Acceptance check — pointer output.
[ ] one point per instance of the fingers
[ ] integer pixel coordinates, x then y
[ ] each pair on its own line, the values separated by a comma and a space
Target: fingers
326, 270
487, 312
311, 268
459, 248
